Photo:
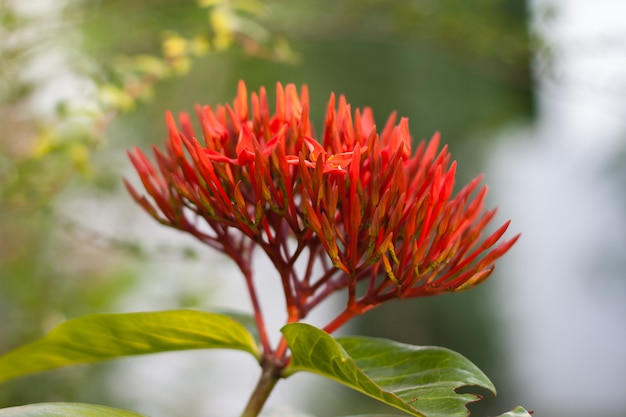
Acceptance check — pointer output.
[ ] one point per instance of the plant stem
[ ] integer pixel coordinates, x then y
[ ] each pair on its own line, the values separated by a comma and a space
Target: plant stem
269, 377
340, 320
258, 315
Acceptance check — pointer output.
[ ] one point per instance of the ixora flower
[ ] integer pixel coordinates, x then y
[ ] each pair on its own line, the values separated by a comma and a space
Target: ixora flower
356, 208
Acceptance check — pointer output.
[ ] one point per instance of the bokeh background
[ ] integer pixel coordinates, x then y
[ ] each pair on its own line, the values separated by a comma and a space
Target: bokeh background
532, 93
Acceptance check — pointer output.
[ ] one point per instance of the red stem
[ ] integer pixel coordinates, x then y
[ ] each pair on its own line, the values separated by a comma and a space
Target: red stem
258, 315
330, 288
294, 315
243, 258
340, 320
323, 280
313, 251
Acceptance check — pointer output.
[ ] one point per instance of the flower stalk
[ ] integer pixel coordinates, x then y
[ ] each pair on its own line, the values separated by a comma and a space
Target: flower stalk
371, 216
270, 375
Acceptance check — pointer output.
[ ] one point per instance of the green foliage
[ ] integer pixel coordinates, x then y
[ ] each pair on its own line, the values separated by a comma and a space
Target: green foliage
418, 380
517, 412
54, 148
100, 337
93, 410
394, 54
488, 35
66, 410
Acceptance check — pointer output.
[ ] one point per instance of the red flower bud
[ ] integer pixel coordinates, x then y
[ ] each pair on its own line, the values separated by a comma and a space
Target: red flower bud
358, 202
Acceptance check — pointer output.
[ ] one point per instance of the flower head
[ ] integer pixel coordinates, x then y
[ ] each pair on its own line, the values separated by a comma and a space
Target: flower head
358, 201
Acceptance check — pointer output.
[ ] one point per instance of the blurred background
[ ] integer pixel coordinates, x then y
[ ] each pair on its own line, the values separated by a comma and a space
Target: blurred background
532, 93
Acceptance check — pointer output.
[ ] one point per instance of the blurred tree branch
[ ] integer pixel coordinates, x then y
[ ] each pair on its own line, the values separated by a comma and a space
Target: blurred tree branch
44, 148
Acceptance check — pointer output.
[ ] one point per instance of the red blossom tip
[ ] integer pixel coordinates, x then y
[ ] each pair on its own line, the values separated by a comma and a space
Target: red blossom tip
359, 202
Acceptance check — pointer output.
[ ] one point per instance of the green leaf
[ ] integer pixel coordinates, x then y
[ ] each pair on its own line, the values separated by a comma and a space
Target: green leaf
245, 319
66, 410
418, 380
100, 337
517, 412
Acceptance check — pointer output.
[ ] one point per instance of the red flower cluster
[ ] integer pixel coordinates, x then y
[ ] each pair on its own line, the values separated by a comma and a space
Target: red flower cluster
379, 218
